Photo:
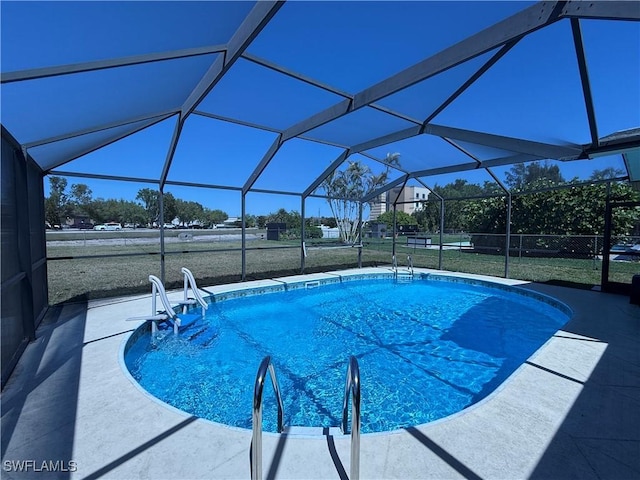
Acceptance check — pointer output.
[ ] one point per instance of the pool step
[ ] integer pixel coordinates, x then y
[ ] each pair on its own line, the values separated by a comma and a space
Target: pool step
405, 276
204, 336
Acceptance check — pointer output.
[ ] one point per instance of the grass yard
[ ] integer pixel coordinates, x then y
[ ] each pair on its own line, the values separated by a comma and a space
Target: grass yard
217, 259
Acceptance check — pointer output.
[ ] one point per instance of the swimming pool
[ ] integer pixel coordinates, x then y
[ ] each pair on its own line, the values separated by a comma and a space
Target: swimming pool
426, 349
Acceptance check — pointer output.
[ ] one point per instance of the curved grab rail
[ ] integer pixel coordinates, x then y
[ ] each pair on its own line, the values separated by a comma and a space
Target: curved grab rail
256, 441
410, 264
190, 281
394, 264
158, 289
352, 386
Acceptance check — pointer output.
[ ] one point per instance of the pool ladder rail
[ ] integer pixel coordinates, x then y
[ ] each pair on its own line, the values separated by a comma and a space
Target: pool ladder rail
256, 417
190, 282
352, 388
169, 315
401, 275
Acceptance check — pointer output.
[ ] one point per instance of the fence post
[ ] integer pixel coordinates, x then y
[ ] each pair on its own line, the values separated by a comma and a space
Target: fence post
161, 222
606, 242
395, 229
520, 248
441, 232
302, 233
508, 232
243, 209
360, 236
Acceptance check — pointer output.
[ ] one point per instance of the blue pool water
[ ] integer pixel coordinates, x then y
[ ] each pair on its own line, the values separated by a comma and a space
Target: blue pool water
426, 350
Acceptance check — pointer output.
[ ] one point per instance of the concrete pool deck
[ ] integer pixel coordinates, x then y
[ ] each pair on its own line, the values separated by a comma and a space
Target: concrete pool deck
571, 411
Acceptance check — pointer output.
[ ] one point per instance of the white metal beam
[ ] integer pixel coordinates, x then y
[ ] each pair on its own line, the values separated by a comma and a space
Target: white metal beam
487, 65
55, 71
172, 150
335, 164
512, 28
275, 146
264, 127
602, 10
104, 143
463, 167
384, 188
295, 75
386, 139
511, 144
252, 25
236, 121
379, 160
584, 78
320, 118
117, 178
100, 128
508, 30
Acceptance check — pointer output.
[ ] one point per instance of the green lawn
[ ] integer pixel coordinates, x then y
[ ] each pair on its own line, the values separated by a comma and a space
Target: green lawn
217, 261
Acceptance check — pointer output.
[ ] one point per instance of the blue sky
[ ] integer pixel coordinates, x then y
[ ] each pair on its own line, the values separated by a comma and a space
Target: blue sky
533, 92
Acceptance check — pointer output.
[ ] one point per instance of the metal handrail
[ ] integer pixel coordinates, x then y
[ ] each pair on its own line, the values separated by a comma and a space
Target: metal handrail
410, 264
158, 289
352, 386
190, 281
394, 265
256, 442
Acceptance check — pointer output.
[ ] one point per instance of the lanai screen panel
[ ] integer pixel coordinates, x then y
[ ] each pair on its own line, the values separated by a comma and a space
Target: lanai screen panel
65, 105
421, 100
424, 152
534, 92
613, 58
309, 57
256, 94
214, 152
562, 173
44, 34
358, 127
296, 165
345, 44
370, 167
632, 162
261, 204
485, 153
138, 153
228, 201
462, 184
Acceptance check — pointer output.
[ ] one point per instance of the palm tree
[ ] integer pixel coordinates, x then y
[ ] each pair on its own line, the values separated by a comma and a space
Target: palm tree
346, 187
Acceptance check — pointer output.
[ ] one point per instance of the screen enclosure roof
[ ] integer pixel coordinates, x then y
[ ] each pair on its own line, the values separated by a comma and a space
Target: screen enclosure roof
273, 96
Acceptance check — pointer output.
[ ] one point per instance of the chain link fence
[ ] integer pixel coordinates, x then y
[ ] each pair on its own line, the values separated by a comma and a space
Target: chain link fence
572, 260
546, 246
116, 266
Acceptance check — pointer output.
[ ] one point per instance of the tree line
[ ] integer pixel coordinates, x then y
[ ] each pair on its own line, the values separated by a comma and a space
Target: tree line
537, 206
78, 202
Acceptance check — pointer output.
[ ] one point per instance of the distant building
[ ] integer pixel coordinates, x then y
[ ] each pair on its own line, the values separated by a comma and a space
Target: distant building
378, 206
410, 199
328, 232
231, 222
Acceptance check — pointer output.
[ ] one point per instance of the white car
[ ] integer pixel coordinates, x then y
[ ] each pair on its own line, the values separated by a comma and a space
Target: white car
108, 226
